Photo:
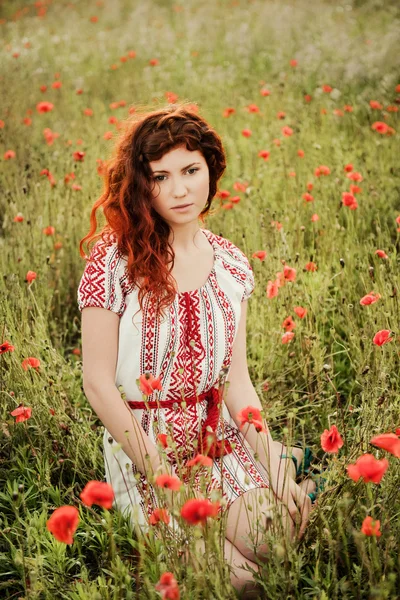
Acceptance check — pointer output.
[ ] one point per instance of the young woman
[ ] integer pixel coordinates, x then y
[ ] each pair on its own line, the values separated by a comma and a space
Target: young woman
164, 305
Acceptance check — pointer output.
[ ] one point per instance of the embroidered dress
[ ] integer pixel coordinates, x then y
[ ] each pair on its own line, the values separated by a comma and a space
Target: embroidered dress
190, 350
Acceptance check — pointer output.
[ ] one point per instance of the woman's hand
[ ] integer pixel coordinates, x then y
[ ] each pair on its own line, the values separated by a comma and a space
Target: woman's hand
295, 499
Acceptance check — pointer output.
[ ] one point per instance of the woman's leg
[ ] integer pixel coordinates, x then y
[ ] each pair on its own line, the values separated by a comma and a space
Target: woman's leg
241, 579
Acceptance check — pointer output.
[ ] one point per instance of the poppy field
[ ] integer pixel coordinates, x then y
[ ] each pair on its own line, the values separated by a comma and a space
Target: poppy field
306, 99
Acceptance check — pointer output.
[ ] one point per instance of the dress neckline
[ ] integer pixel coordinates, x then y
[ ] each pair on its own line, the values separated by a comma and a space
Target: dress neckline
209, 238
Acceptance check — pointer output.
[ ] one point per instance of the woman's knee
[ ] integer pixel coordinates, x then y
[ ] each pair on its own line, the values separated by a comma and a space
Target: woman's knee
258, 515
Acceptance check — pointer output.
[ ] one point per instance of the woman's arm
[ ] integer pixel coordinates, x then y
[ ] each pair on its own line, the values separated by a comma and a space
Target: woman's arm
241, 393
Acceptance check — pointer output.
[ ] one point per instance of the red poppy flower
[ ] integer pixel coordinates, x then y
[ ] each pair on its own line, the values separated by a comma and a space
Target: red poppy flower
380, 127
354, 176
387, 441
98, 492
162, 438
261, 254
43, 107
272, 289
348, 168
6, 347
78, 156
168, 481
49, 230
287, 337
371, 527
200, 459
159, 514
18, 218
287, 131
311, 266
168, 587
289, 273
288, 324
314, 218
246, 132
327, 88
148, 383
381, 254
370, 298
322, 170
331, 440
349, 200
308, 197
22, 413
368, 468
30, 362
300, 153
264, 154
197, 511
252, 415
375, 105
300, 311
9, 154
63, 523
382, 337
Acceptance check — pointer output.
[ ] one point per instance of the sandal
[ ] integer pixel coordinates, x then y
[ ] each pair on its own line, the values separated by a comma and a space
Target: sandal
305, 465
320, 486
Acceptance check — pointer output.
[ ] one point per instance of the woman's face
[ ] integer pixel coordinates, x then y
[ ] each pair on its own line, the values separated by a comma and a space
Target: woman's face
180, 177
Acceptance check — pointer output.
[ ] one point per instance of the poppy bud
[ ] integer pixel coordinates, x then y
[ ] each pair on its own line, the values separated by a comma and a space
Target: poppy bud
341, 260
371, 272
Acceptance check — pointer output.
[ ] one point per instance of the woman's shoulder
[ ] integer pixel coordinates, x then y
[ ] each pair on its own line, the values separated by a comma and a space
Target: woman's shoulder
228, 248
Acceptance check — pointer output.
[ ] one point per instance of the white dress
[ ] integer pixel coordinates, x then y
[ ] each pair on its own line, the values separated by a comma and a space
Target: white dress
209, 318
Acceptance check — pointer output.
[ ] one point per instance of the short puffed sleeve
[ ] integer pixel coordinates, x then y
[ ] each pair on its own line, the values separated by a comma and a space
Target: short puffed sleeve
240, 268
103, 281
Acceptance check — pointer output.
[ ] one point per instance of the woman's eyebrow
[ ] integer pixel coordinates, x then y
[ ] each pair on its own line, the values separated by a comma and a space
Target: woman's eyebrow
184, 168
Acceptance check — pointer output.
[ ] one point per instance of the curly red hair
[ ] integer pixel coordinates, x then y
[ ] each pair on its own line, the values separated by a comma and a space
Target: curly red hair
140, 232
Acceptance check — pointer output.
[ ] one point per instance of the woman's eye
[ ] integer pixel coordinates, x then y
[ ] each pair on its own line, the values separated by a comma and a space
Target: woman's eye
157, 176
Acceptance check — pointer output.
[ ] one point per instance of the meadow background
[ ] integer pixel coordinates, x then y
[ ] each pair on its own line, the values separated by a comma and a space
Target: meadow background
328, 71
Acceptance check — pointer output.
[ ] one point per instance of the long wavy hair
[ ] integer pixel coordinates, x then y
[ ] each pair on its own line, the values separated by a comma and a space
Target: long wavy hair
140, 232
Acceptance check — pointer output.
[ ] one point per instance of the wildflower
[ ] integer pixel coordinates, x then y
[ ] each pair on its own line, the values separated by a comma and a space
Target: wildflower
308, 197
264, 154
311, 266
287, 337
370, 298
31, 361
22, 413
287, 131
354, 176
380, 127
289, 273
43, 107
300, 311
205, 461
288, 324
368, 468
272, 289
159, 514
381, 254
197, 511
314, 218
331, 440
98, 492
9, 154
300, 153
148, 383
168, 587
228, 111
49, 230
375, 105
349, 200
322, 170
78, 156
162, 438
261, 254
371, 527
18, 218
6, 347
348, 168
387, 441
246, 132
382, 337
251, 415
63, 523
168, 481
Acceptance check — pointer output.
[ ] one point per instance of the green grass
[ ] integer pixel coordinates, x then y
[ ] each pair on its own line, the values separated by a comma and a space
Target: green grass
217, 54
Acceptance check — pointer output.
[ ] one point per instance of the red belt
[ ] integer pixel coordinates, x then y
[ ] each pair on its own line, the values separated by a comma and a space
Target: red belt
209, 445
